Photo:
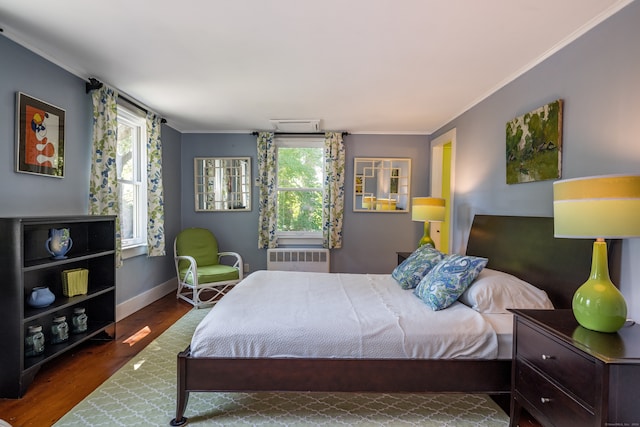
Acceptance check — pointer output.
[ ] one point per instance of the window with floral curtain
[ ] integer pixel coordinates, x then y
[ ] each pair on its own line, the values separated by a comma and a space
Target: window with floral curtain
333, 194
104, 195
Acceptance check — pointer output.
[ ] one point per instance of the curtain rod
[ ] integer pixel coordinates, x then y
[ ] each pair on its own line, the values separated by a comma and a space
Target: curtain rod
298, 133
96, 84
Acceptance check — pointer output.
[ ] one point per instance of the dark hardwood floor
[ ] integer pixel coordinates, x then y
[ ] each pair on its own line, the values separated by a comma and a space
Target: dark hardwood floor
65, 381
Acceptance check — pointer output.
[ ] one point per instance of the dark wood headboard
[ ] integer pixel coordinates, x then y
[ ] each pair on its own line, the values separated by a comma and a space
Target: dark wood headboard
526, 248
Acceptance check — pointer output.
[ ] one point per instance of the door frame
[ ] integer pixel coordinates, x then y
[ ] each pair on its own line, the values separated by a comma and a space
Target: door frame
437, 149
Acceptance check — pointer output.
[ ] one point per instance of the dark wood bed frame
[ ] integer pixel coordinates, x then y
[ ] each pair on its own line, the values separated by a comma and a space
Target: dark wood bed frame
522, 246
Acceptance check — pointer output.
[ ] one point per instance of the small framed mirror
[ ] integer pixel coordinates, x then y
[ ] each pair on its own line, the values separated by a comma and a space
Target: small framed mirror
222, 184
381, 184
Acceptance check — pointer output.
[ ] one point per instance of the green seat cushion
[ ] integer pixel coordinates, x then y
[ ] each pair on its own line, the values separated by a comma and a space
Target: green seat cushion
213, 273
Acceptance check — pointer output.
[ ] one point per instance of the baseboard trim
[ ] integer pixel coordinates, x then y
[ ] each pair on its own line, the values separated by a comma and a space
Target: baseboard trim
134, 304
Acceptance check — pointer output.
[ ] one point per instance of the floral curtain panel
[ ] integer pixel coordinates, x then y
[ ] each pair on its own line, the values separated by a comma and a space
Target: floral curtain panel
155, 193
333, 201
103, 185
267, 194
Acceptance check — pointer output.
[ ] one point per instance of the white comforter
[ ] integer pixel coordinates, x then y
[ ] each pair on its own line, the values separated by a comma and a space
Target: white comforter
335, 315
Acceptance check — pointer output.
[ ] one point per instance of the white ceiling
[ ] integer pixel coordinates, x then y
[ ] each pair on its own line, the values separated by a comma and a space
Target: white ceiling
364, 66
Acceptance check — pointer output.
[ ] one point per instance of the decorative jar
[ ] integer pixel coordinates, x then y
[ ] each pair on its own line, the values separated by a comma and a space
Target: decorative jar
59, 330
79, 321
34, 341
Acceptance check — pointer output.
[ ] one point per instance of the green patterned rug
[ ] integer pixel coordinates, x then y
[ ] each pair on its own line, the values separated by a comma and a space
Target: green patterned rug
143, 393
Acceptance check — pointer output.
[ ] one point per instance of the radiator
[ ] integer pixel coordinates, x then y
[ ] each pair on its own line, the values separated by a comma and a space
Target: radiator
298, 259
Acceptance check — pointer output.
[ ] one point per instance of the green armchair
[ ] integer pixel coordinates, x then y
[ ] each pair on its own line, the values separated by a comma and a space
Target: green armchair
202, 279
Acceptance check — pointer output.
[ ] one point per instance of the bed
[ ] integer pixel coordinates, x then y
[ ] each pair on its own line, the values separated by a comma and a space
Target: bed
520, 246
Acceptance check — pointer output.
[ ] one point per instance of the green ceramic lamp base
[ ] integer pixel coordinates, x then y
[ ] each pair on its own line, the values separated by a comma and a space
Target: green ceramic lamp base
598, 305
426, 239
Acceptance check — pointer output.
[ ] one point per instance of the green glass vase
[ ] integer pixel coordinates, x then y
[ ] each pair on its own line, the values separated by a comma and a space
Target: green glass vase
598, 305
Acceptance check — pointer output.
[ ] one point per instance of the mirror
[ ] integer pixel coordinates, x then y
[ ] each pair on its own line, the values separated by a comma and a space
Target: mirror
222, 183
381, 185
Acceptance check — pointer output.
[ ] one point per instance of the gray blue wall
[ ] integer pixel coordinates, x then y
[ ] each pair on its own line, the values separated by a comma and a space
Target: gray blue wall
32, 195
598, 76
370, 239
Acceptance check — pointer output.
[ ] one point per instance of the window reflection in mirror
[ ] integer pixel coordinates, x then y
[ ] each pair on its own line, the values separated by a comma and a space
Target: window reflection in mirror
222, 183
381, 184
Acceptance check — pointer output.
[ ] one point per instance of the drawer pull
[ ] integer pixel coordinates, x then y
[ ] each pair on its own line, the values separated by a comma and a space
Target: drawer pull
547, 357
545, 400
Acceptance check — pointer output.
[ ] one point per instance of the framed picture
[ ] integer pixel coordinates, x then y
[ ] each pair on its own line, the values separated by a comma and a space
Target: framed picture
39, 137
534, 145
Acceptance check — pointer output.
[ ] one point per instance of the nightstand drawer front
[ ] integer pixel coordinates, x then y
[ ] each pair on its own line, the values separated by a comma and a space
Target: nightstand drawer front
548, 400
565, 366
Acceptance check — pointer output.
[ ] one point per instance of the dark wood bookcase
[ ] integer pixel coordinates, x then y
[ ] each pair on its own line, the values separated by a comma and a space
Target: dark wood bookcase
25, 264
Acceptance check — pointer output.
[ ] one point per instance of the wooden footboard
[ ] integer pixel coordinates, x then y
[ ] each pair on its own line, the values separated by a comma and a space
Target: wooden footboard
338, 375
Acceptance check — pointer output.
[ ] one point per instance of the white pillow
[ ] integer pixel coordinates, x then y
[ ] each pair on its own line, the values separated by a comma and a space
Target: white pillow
495, 291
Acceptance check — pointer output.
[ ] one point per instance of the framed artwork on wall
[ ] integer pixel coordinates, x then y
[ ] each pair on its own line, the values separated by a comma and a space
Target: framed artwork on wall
39, 137
534, 145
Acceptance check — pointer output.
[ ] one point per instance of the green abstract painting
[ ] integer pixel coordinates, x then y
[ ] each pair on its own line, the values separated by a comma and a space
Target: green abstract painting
534, 145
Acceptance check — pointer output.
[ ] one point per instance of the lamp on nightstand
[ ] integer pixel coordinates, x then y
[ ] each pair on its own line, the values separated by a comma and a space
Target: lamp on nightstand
598, 207
427, 210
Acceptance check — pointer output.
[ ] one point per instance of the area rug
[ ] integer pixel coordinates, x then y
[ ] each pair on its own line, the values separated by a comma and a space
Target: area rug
143, 393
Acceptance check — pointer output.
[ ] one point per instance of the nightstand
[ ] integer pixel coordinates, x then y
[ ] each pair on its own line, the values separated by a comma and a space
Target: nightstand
566, 375
402, 256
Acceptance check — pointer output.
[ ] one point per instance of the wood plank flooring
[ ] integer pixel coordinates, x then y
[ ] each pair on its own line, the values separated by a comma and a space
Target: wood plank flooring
65, 381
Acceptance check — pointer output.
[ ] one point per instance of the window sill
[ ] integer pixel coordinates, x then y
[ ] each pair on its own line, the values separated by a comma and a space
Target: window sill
134, 251
284, 241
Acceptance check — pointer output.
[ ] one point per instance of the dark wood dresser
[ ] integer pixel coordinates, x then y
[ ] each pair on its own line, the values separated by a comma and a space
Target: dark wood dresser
566, 375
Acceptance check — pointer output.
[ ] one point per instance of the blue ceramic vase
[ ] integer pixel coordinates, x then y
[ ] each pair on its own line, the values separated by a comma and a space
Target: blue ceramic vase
59, 243
40, 297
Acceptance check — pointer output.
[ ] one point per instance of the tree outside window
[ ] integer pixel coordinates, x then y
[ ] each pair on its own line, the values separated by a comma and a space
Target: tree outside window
300, 188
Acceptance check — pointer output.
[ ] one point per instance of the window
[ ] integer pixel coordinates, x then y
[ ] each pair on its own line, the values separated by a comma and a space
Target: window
132, 181
300, 182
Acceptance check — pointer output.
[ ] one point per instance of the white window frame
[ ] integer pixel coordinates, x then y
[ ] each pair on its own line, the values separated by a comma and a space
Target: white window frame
138, 244
297, 238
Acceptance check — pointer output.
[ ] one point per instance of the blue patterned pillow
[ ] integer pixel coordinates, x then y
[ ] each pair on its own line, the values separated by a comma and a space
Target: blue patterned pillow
442, 286
410, 271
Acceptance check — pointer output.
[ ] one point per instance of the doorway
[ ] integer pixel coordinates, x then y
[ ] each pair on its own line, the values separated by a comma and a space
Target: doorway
443, 150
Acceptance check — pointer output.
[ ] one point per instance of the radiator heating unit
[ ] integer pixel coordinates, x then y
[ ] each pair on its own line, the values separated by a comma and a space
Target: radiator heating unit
298, 259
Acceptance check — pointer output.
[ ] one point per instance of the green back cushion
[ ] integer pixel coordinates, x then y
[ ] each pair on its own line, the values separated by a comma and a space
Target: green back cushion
199, 243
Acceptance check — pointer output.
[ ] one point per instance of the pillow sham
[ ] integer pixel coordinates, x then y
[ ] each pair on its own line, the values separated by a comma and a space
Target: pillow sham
442, 286
495, 291
410, 271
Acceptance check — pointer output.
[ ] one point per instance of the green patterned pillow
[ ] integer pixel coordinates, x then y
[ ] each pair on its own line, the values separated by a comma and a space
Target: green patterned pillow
410, 271
442, 286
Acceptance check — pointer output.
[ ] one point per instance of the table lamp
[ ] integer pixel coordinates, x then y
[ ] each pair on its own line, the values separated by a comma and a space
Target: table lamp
598, 207
427, 209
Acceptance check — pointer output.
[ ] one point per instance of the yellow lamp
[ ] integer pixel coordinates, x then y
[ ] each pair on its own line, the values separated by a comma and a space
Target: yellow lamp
427, 209
598, 207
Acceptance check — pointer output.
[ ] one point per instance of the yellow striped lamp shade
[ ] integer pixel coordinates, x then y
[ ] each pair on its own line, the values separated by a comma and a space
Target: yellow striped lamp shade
427, 209
597, 207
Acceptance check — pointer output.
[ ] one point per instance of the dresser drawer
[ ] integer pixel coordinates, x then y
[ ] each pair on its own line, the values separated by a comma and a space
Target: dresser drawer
548, 401
575, 372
